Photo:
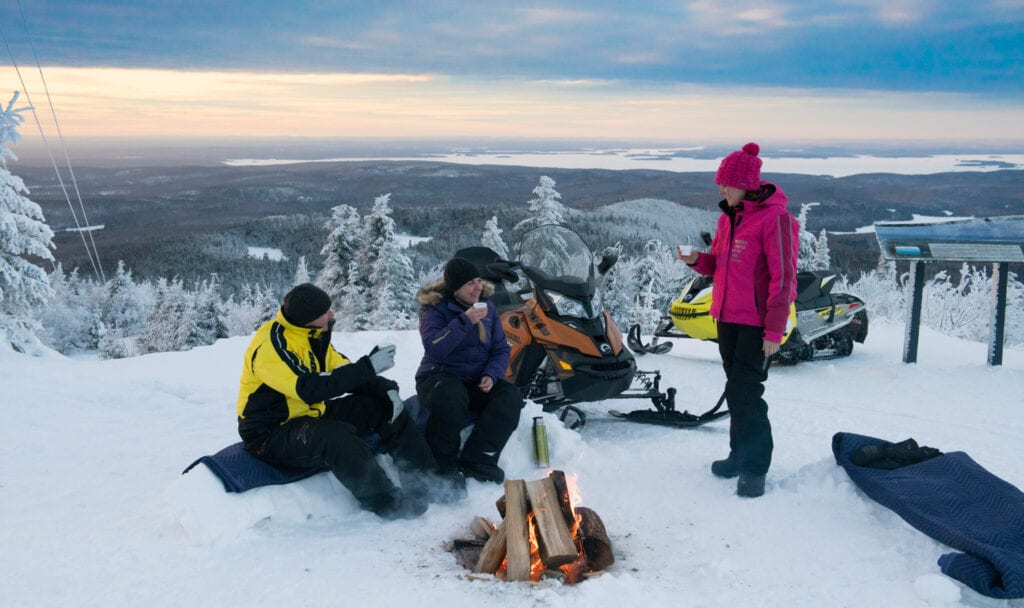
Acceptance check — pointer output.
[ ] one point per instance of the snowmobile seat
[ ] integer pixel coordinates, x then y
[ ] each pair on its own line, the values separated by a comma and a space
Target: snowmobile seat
809, 291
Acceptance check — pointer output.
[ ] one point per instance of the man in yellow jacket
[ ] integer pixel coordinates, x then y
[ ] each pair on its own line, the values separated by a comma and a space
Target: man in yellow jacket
303, 404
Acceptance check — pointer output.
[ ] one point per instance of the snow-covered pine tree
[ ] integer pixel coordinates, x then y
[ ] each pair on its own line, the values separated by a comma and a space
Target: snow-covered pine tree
24, 287
822, 255
171, 323
380, 261
392, 284
254, 306
808, 242
126, 306
546, 207
68, 316
492, 238
620, 287
339, 276
301, 272
654, 274
208, 313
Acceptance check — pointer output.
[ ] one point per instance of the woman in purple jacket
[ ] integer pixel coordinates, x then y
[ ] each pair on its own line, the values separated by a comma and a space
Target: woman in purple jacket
753, 259
465, 357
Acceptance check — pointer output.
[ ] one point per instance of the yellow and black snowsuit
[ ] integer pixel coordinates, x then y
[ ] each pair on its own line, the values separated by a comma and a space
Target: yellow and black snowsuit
289, 372
302, 404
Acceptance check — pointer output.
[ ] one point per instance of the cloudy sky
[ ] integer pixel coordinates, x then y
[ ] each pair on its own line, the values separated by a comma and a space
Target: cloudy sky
678, 71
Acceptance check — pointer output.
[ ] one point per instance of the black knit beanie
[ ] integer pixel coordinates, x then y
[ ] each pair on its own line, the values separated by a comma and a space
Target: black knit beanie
458, 272
305, 303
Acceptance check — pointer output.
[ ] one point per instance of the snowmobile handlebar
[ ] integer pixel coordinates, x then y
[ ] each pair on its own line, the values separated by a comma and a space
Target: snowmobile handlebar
504, 269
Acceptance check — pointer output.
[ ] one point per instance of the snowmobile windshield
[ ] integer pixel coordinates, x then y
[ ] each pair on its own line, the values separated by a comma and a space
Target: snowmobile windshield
557, 258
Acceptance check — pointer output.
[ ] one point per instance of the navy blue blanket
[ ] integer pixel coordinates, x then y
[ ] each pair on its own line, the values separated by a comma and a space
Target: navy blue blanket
957, 502
240, 471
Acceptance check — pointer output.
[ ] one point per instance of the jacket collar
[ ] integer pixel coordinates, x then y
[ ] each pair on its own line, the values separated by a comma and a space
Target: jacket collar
312, 332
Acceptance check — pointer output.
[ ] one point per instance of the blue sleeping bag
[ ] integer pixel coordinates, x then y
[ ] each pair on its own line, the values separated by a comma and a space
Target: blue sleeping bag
957, 502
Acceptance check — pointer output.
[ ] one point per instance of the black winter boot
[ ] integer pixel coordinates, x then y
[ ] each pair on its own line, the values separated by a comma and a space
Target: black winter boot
482, 471
726, 467
445, 487
750, 485
402, 505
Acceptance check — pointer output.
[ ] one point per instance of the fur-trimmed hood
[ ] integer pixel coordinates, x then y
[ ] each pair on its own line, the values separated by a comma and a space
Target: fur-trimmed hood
432, 293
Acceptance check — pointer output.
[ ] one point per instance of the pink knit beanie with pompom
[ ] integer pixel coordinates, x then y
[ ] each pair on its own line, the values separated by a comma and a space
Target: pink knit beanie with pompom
741, 169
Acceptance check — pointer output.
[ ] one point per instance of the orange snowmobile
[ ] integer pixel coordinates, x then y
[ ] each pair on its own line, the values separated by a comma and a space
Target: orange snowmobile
566, 348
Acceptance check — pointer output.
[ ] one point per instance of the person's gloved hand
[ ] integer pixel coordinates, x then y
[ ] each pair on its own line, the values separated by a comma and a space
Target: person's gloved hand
382, 357
397, 404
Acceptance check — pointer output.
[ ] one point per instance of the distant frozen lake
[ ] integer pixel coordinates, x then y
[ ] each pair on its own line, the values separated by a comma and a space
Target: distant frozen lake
269, 253
675, 160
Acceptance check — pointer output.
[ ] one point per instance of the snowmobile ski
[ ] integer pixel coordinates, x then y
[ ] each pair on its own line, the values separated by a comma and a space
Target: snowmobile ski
667, 415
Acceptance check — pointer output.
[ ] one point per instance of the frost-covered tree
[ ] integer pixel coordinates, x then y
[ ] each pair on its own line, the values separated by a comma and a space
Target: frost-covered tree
645, 312
301, 272
822, 255
24, 287
171, 323
546, 207
492, 238
126, 306
70, 313
390, 285
961, 306
254, 306
208, 313
808, 242
379, 262
655, 273
344, 241
619, 287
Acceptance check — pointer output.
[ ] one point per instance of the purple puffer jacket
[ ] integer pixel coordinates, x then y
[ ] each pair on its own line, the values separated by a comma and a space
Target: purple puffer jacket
452, 345
753, 259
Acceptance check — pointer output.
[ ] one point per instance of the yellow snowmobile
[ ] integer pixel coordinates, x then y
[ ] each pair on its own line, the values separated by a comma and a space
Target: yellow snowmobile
822, 324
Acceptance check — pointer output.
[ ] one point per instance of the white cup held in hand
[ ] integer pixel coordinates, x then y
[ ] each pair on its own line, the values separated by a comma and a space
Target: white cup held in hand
684, 251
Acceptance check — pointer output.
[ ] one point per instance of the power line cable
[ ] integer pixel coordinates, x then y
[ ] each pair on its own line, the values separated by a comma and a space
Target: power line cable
63, 145
49, 152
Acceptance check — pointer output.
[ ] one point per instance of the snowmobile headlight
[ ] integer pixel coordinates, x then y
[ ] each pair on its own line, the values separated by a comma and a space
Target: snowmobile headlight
567, 306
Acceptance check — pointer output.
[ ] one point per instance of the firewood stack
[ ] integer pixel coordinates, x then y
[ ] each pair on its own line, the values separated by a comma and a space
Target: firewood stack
541, 535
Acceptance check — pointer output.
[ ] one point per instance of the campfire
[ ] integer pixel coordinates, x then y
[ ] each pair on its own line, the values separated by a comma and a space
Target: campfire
541, 536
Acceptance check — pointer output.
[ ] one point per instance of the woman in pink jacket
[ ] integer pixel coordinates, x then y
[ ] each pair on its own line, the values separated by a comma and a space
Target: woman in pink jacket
753, 260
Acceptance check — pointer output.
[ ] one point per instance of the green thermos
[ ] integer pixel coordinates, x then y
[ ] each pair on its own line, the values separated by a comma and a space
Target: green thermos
540, 441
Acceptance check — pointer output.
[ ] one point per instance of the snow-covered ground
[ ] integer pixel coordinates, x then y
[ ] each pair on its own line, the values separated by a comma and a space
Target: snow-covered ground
95, 511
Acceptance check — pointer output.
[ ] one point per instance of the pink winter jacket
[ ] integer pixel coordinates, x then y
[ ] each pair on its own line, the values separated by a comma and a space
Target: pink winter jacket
753, 260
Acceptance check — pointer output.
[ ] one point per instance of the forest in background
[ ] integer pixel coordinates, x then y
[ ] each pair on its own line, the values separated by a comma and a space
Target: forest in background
193, 221
181, 240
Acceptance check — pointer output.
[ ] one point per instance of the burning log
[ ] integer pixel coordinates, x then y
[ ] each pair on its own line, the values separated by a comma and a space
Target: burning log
596, 544
540, 537
483, 527
553, 538
565, 502
493, 552
517, 530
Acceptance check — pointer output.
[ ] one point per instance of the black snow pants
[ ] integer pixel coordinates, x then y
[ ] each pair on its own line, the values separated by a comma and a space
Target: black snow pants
337, 440
750, 432
450, 401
